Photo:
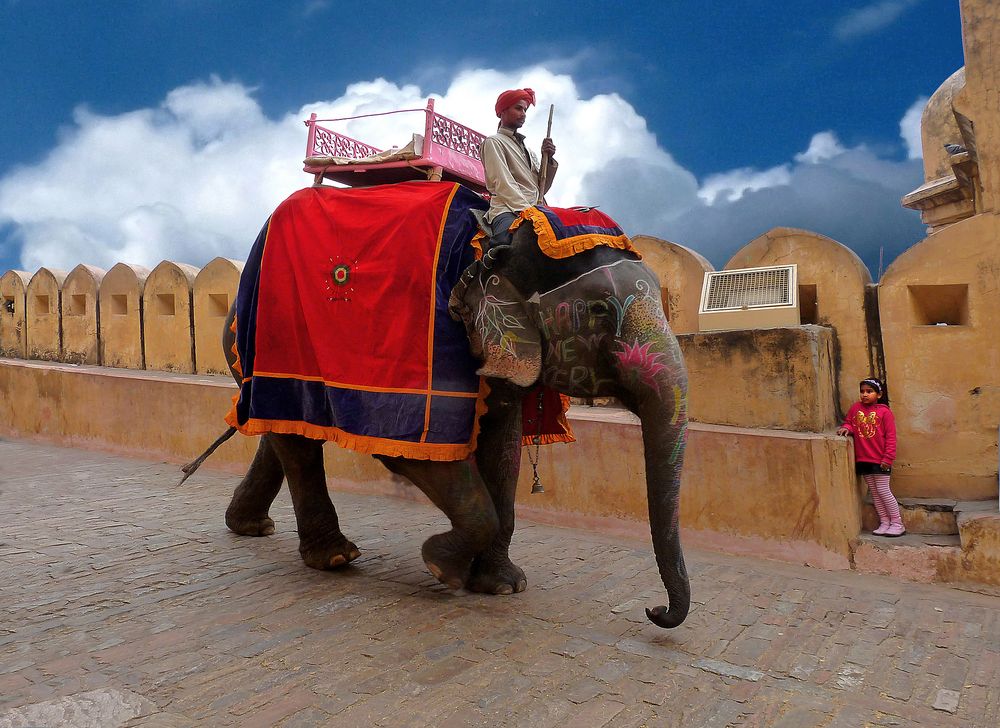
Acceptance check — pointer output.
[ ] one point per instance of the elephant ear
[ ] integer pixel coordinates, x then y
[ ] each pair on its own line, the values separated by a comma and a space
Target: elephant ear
506, 329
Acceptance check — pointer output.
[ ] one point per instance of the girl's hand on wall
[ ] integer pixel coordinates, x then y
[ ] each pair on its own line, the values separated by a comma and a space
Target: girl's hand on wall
843, 431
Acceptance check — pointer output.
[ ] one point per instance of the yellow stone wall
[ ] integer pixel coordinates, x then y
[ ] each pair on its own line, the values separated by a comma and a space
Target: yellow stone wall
780, 378
939, 127
13, 337
121, 316
168, 324
979, 100
832, 282
79, 316
42, 324
944, 380
215, 289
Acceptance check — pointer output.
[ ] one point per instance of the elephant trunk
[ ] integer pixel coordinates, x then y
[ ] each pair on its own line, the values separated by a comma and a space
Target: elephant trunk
664, 440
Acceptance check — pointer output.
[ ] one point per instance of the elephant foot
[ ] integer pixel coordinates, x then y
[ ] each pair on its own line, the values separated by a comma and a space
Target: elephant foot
330, 555
249, 525
448, 562
496, 576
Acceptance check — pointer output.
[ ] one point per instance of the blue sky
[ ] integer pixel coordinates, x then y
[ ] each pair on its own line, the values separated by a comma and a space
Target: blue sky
149, 130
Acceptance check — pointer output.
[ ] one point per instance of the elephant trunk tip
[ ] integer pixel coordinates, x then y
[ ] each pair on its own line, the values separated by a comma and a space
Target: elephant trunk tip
667, 618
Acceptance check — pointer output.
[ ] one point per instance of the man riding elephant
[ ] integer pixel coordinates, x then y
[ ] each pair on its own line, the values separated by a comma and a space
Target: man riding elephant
512, 171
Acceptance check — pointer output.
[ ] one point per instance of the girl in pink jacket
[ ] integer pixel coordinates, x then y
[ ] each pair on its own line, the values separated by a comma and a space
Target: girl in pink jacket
871, 424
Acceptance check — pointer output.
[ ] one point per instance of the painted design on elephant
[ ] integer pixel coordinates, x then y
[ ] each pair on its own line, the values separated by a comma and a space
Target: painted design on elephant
680, 406
679, 445
495, 323
621, 307
638, 363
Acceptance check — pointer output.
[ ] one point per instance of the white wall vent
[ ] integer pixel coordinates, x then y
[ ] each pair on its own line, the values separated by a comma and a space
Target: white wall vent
749, 298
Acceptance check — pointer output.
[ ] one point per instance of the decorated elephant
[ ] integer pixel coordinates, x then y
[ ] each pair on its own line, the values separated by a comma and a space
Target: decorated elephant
583, 319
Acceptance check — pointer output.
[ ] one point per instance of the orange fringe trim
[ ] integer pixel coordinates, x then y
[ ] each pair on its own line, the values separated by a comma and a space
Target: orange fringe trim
363, 443
554, 248
236, 364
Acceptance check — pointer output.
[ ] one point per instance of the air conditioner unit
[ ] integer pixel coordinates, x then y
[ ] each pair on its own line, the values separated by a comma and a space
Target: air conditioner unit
749, 298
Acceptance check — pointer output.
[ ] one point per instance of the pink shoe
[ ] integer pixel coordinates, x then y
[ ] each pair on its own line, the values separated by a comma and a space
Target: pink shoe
894, 529
881, 528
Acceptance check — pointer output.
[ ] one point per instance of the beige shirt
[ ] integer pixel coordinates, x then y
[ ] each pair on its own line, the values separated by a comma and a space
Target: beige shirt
511, 173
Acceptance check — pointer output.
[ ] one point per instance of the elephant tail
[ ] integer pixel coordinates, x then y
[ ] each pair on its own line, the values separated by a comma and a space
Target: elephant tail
189, 469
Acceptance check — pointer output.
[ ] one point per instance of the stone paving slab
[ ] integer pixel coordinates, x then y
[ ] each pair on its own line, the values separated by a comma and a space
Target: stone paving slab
124, 593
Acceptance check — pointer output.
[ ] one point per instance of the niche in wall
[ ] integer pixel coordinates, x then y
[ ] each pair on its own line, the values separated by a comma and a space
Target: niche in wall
78, 304
939, 305
119, 304
218, 304
165, 304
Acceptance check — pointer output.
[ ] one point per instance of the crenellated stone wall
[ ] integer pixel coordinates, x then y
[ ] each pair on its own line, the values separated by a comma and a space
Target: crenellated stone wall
128, 317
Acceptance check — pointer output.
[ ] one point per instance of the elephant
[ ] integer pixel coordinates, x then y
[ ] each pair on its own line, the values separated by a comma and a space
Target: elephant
588, 325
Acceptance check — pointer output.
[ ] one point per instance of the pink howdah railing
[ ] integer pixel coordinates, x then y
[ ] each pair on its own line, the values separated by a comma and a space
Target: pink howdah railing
447, 144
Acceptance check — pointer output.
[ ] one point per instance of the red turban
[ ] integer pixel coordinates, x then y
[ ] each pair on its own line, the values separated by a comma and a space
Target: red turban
509, 98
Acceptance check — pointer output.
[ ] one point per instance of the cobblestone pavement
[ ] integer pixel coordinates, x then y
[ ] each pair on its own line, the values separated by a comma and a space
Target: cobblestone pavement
125, 601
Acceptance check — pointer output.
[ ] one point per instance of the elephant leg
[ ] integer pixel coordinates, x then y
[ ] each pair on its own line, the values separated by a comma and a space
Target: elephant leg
457, 489
498, 455
248, 510
321, 543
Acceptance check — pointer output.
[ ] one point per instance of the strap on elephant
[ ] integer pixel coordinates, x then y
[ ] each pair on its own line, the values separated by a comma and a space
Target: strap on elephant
536, 485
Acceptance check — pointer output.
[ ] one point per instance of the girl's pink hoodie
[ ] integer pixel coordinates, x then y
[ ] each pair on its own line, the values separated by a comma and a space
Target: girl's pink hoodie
874, 431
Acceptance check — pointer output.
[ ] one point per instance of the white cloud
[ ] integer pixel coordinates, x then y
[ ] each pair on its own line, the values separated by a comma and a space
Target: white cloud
847, 193
909, 129
195, 177
731, 186
870, 19
822, 147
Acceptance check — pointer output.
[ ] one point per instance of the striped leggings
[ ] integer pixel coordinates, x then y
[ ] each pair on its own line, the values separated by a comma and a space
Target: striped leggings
883, 499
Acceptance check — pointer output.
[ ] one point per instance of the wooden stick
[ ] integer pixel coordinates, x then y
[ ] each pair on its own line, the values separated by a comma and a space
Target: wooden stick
543, 172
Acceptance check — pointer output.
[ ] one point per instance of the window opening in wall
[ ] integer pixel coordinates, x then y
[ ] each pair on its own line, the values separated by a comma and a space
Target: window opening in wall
78, 304
165, 304
8, 304
808, 308
939, 305
119, 304
41, 305
218, 304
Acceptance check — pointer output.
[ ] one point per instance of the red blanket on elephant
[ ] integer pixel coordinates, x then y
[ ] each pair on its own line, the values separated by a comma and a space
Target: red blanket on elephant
342, 329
